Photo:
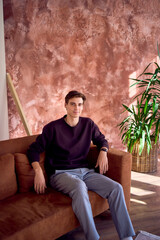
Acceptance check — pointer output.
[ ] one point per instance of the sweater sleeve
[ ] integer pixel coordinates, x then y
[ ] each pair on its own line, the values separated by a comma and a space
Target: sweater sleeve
98, 138
39, 146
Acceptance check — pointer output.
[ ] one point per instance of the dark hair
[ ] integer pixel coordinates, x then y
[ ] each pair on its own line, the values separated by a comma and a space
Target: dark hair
73, 94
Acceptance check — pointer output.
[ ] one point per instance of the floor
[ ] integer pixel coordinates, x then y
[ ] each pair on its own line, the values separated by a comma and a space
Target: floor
144, 209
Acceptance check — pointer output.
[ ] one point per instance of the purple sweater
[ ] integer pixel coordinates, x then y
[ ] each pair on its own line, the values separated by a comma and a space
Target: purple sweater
66, 147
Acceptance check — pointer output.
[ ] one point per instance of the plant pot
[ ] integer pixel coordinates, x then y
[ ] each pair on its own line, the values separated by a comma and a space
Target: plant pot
145, 163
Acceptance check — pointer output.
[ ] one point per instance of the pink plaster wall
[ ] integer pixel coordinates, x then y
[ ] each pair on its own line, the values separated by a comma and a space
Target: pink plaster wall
54, 46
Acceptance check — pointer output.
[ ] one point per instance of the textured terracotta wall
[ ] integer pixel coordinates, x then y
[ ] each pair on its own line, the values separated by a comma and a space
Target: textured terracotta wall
53, 46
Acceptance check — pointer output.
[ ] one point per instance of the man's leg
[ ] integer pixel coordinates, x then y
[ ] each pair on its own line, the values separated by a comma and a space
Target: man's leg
77, 190
113, 191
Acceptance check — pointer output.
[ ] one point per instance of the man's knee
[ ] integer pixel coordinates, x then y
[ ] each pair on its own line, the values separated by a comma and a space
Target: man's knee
119, 187
79, 189
117, 192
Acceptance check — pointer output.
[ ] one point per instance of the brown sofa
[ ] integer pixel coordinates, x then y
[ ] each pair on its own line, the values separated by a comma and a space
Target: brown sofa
25, 215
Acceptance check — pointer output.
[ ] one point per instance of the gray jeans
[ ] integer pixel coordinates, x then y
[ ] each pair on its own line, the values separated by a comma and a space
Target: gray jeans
77, 182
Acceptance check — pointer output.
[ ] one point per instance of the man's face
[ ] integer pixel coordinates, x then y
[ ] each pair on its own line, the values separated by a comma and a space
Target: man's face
74, 107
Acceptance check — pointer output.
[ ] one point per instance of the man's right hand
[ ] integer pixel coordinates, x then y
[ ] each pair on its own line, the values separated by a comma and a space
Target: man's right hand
39, 179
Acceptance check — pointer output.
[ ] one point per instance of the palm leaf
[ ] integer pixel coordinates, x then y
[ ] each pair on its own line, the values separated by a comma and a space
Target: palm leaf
127, 108
142, 142
157, 130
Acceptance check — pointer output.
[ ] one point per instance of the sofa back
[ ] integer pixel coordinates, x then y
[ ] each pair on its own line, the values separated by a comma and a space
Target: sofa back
16, 145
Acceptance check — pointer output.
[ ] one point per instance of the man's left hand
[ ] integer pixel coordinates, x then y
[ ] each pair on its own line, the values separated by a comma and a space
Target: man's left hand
102, 162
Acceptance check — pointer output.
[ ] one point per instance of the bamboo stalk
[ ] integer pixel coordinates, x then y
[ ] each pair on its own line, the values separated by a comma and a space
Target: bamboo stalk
18, 104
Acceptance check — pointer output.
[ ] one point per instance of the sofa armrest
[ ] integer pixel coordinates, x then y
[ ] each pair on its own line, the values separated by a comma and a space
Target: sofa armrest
120, 163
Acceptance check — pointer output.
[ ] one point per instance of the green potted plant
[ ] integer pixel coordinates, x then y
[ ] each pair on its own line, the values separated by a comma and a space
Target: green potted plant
140, 130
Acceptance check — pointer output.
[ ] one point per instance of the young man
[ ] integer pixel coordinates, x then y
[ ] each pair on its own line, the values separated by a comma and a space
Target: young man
66, 142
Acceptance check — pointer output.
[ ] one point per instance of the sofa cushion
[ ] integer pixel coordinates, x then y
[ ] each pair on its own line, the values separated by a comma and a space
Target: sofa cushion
8, 183
41, 216
25, 172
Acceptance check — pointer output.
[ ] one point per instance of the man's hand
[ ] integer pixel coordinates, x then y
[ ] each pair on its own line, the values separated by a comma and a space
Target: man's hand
102, 162
39, 179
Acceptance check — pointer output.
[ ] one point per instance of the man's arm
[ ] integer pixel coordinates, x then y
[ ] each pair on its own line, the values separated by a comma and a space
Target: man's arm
39, 179
99, 140
33, 154
102, 160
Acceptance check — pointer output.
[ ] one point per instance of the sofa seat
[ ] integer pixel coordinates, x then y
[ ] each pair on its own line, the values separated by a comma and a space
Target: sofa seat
28, 215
